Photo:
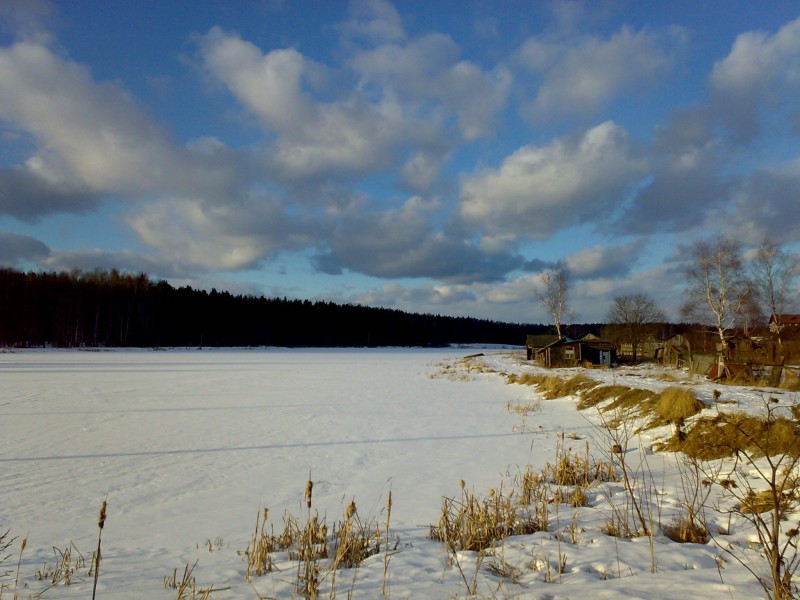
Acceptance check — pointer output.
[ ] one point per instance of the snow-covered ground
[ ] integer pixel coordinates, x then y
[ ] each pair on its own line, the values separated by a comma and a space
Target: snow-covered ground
188, 446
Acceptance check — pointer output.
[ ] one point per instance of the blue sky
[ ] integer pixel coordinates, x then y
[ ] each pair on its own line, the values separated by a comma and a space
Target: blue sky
428, 156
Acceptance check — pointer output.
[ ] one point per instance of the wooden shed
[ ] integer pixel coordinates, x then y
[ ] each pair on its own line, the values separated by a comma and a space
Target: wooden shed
567, 352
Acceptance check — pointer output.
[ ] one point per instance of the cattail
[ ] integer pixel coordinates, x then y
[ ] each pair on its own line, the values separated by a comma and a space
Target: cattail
389, 503
101, 520
309, 488
351, 510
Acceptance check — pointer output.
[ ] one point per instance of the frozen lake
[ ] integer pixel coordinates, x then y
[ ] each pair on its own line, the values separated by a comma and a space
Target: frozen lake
187, 445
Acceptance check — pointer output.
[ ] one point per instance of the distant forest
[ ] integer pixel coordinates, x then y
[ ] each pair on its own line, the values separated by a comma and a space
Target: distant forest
112, 309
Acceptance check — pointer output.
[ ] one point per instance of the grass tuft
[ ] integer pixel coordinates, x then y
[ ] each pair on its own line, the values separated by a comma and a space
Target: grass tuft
676, 404
599, 394
726, 434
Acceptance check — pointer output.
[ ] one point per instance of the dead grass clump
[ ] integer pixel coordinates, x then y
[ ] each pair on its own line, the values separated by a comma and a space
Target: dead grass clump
790, 381
575, 469
526, 408
633, 399
531, 486
599, 394
355, 541
551, 387
676, 404
575, 498
525, 378
351, 542
469, 523
766, 501
577, 385
726, 434
686, 531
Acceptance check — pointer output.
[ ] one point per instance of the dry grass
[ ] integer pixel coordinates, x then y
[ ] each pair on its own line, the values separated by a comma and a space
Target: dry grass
574, 469
469, 523
634, 399
526, 408
726, 434
524, 378
686, 531
676, 404
791, 380
766, 501
351, 541
599, 394
556, 387
553, 386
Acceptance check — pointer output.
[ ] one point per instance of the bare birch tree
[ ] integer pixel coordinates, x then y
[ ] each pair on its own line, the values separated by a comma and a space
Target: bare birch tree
635, 316
774, 273
552, 293
716, 288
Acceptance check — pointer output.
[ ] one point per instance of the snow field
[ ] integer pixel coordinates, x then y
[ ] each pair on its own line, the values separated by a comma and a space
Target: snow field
188, 446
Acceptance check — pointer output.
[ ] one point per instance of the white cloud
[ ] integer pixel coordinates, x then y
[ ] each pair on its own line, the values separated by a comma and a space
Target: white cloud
581, 75
430, 68
539, 190
763, 204
760, 71
337, 139
605, 260
218, 237
374, 21
402, 243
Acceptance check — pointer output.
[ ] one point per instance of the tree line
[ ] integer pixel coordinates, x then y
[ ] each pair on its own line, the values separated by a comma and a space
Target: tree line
725, 289
113, 309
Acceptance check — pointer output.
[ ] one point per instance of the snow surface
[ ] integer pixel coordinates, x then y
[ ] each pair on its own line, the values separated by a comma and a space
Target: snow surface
188, 446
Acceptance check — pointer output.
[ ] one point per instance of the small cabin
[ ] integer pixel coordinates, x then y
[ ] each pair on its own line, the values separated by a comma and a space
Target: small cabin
534, 343
587, 350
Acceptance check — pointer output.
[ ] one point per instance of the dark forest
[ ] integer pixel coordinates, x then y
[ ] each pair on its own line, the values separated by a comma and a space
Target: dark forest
113, 309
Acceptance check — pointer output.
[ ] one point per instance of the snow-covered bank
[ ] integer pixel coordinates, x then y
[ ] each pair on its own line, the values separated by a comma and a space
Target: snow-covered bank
187, 446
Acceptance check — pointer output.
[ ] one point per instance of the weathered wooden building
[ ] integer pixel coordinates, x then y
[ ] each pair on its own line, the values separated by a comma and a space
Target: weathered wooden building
534, 343
588, 350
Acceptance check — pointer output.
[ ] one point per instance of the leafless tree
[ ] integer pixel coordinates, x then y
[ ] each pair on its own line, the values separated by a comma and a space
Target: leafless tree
774, 273
635, 316
552, 293
716, 288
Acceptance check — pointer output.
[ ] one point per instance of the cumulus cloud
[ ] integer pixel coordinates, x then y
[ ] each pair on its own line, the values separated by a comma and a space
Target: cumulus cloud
89, 135
540, 190
92, 140
374, 21
605, 260
764, 204
27, 197
216, 236
402, 243
430, 68
761, 71
335, 139
582, 74
430, 296
28, 19
15, 248
682, 191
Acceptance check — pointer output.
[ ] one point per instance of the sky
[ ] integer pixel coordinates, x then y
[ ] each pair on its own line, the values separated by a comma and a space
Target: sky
433, 156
